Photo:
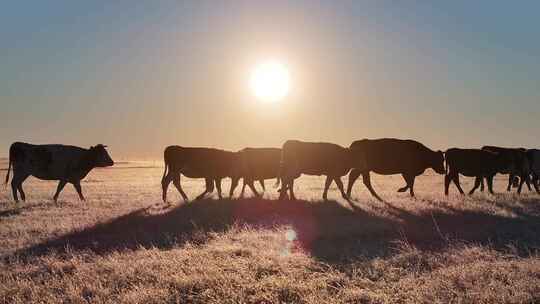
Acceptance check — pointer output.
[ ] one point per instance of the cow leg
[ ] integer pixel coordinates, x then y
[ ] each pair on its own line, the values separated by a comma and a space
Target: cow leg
165, 181
455, 179
284, 187
218, 186
234, 184
178, 186
447, 181
477, 182
353, 176
527, 178
243, 188
77, 186
535, 183
339, 183
489, 180
510, 179
61, 185
367, 182
482, 184
291, 189
327, 184
208, 189
410, 183
16, 185
403, 189
261, 181
521, 182
14, 189
253, 189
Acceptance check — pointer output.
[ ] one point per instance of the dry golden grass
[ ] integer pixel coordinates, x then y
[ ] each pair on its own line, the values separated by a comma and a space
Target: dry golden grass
124, 246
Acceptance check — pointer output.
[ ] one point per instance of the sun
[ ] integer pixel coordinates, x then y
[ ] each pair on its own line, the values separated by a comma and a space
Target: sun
270, 81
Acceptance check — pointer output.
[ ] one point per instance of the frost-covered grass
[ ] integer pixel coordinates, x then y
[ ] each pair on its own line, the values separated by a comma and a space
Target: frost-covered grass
125, 246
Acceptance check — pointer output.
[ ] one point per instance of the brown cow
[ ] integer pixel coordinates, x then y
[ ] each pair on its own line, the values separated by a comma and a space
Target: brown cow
67, 164
475, 163
257, 164
533, 155
389, 156
521, 167
316, 158
211, 164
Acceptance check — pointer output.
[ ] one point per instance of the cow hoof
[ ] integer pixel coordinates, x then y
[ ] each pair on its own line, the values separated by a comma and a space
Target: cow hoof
402, 189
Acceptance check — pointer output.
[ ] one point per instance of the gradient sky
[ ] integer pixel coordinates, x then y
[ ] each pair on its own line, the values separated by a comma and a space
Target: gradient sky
141, 75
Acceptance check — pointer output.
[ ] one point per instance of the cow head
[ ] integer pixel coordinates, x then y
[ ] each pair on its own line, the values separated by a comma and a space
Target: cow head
437, 162
100, 156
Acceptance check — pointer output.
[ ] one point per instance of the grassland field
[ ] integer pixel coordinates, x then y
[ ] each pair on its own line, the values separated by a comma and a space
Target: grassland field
124, 245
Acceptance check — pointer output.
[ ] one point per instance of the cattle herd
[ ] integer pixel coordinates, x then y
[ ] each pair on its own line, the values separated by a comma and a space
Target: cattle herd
387, 156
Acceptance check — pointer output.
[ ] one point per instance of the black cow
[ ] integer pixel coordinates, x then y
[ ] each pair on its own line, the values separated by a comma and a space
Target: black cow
316, 158
67, 164
521, 166
475, 163
533, 155
257, 164
389, 156
211, 164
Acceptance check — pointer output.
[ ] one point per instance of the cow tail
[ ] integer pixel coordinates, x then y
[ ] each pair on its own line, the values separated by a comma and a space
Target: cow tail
165, 170
10, 160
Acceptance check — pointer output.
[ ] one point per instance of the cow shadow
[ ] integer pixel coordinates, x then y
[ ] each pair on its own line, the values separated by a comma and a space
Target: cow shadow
10, 212
19, 208
195, 222
327, 230
518, 228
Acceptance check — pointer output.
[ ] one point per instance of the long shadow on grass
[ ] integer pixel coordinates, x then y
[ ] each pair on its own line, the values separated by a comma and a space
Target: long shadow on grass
519, 231
195, 222
326, 230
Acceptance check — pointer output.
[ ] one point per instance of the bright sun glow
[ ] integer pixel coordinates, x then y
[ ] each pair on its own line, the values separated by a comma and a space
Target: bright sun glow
270, 81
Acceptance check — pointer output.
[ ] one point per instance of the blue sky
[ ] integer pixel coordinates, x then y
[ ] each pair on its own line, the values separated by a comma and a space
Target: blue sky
140, 75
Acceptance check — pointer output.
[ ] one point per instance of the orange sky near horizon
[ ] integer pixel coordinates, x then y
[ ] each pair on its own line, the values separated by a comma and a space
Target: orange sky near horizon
139, 77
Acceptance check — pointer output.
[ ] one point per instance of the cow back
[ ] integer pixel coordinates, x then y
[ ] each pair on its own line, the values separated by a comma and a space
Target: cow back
533, 155
198, 162
475, 162
260, 163
316, 158
393, 156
